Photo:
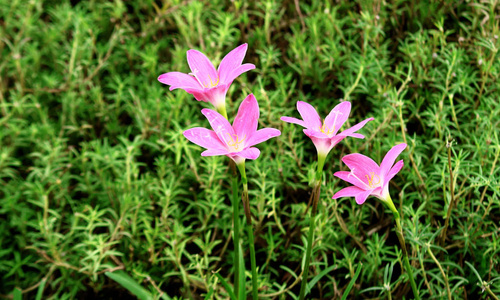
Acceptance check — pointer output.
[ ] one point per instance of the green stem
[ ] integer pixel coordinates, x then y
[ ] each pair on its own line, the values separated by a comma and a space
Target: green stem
487, 287
310, 239
312, 224
440, 269
236, 234
222, 110
248, 215
255, 286
399, 232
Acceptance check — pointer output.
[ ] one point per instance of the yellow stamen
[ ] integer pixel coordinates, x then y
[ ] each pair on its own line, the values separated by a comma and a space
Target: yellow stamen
354, 175
325, 129
233, 143
212, 84
370, 179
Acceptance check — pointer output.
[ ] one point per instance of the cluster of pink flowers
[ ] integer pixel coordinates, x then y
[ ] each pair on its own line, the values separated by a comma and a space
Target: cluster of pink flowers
367, 177
236, 141
209, 85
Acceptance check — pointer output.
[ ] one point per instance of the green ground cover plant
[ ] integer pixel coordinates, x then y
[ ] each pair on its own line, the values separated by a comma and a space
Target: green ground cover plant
102, 196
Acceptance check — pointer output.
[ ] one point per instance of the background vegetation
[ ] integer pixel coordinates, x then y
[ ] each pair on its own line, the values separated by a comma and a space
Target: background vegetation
95, 175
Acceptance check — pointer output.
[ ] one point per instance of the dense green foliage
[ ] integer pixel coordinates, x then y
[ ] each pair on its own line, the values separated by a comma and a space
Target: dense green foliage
95, 175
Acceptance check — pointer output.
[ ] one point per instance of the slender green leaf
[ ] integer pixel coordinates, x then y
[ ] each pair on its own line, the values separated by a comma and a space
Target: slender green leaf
128, 282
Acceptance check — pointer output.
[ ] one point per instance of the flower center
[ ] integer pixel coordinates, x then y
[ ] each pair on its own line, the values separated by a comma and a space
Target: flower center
235, 141
373, 180
325, 128
370, 180
212, 84
207, 85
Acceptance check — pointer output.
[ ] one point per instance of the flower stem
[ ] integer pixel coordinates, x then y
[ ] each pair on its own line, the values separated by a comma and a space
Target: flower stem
440, 269
401, 238
236, 234
222, 110
252, 261
248, 215
312, 223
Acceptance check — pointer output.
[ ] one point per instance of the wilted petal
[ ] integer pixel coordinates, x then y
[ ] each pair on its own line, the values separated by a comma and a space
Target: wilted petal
219, 124
262, 135
246, 121
293, 120
205, 138
309, 115
232, 61
350, 191
390, 158
337, 117
202, 68
179, 80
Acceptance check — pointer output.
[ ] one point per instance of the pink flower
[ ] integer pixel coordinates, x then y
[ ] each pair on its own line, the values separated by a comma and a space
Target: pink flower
368, 178
234, 141
324, 134
204, 82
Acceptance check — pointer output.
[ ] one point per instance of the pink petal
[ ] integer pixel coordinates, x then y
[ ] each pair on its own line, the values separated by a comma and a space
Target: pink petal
309, 115
237, 72
293, 120
246, 121
216, 95
179, 80
350, 131
363, 168
214, 152
357, 135
232, 61
322, 141
316, 133
250, 153
219, 124
337, 117
350, 191
199, 95
394, 170
202, 68
262, 135
335, 140
323, 145
205, 138
347, 176
361, 197
390, 158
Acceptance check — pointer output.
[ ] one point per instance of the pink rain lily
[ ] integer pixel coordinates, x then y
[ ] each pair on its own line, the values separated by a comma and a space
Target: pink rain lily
324, 134
234, 141
204, 82
367, 177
